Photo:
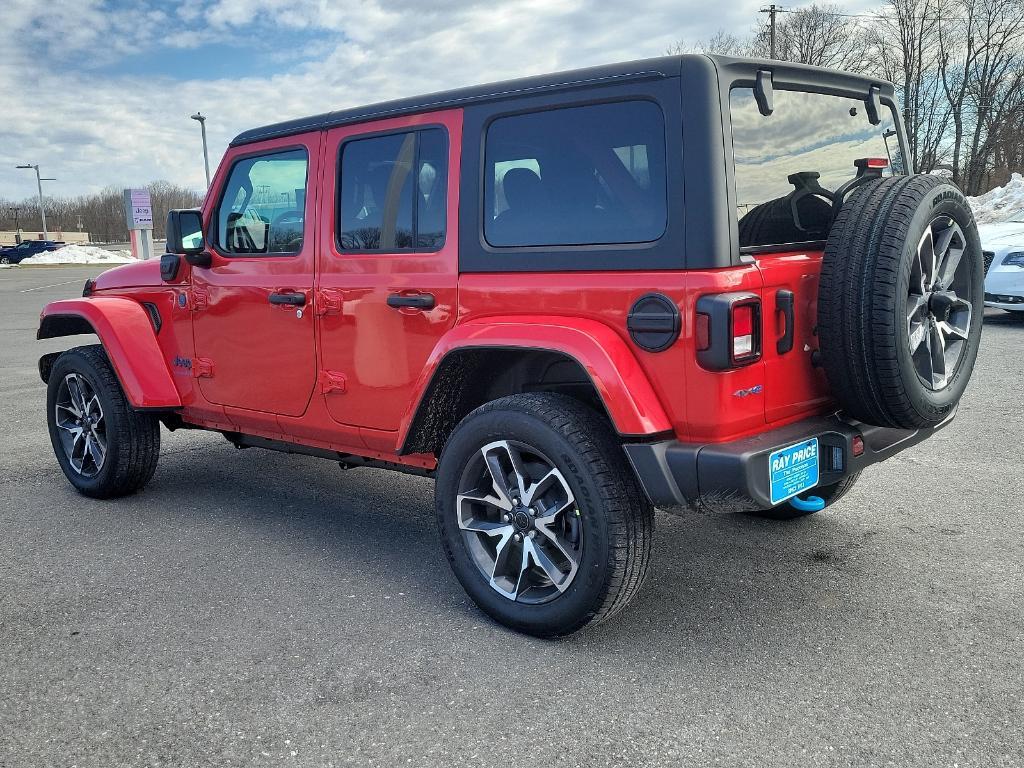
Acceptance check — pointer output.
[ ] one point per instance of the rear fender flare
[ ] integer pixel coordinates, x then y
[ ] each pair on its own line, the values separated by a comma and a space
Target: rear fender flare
126, 333
620, 382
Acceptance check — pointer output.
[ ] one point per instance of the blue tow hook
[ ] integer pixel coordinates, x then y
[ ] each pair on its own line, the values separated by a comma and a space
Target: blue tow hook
810, 504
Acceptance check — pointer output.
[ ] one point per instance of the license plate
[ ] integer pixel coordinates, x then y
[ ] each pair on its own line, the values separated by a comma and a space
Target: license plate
793, 470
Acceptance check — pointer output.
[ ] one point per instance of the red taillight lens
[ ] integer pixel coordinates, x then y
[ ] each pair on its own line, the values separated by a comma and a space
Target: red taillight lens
702, 332
744, 331
727, 330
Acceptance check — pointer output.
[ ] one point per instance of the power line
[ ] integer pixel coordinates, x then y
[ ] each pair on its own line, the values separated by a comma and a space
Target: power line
885, 17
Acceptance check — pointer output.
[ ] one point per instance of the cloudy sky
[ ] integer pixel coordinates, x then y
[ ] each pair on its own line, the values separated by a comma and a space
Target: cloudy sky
100, 92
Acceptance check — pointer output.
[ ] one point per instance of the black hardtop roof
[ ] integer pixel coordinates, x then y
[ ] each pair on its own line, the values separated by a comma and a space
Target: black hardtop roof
642, 69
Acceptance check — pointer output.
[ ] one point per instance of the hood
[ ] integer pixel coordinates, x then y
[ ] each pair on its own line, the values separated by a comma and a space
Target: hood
994, 236
137, 274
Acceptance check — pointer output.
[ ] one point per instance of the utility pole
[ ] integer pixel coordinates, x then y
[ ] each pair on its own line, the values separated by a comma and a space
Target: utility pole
771, 10
39, 186
198, 116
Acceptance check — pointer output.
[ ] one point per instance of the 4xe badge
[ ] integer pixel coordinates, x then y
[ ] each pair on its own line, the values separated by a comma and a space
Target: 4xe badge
183, 362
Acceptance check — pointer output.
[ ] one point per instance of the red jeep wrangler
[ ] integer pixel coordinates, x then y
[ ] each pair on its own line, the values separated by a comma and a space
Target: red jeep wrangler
689, 282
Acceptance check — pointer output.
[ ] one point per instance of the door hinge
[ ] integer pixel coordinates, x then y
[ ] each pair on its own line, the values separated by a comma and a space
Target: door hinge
328, 302
202, 368
200, 299
332, 381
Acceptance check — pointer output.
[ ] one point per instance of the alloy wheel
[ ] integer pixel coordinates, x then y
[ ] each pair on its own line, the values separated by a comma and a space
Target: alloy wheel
81, 425
938, 308
520, 522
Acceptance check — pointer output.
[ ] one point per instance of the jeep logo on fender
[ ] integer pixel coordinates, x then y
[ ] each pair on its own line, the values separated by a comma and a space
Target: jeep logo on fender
183, 362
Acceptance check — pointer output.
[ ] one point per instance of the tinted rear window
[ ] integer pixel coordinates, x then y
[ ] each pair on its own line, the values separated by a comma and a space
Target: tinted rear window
807, 134
576, 176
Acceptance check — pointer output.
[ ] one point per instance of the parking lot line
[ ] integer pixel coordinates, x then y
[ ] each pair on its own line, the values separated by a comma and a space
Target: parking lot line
53, 285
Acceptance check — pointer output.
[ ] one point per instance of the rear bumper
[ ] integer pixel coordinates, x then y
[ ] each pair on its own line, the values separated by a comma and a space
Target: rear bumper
734, 476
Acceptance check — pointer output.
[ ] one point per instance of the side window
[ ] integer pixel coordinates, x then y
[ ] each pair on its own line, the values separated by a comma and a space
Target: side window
393, 192
262, 209
432, 190
576, 176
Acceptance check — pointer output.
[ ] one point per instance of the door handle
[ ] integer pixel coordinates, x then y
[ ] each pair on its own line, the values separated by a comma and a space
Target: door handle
413, 301
784, 304
291, 298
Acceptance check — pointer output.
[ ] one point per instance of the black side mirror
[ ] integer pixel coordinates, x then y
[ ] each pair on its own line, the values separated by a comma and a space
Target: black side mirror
185, 236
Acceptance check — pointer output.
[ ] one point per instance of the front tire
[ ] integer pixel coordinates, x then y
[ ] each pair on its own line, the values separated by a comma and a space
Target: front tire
105, 448
540, 515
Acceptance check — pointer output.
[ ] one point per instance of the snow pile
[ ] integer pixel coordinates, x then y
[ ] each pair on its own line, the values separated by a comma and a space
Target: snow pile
998, 204
79, 254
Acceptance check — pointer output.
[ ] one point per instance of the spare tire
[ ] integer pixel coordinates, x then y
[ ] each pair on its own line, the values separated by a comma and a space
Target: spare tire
900, 301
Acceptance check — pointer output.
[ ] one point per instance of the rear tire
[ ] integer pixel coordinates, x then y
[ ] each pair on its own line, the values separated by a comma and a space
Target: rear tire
601, 542
829, 493
105, 448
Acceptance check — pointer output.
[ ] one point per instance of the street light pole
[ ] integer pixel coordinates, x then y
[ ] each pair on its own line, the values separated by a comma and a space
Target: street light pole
39, 186
198, 116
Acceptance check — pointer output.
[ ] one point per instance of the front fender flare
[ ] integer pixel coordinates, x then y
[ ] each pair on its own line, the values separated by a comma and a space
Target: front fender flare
623, 386
127, 335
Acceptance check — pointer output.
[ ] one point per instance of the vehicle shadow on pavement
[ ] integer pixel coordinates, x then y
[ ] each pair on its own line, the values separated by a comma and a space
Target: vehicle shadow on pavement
710, 575
998, 317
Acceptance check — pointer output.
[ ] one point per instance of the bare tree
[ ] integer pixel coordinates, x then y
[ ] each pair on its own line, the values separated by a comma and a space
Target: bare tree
102, 213
721, 42
821, 35
958, 67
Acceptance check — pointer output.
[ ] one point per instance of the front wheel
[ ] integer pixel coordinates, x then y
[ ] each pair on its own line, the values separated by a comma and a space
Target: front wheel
541, 516
105, 448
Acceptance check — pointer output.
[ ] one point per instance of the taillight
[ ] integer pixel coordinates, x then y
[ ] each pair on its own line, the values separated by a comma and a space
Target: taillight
727, 330
702, 332
744, 333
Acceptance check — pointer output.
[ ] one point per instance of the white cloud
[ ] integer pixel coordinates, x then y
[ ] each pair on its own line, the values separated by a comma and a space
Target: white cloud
91, 130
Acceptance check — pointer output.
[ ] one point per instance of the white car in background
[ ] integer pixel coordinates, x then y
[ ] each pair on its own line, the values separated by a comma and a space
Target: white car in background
1002, 245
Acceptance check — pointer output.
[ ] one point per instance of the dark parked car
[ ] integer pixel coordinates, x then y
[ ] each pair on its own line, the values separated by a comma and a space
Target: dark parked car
18, 253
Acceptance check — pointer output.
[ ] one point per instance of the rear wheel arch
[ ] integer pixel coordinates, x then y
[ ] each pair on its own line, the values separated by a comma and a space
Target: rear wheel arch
469, 377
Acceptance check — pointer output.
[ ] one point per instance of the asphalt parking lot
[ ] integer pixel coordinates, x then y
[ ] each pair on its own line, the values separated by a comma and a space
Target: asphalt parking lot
250, 607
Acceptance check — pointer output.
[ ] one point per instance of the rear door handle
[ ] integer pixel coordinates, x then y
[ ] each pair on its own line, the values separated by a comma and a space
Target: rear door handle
784, 304
413, 301
291, 298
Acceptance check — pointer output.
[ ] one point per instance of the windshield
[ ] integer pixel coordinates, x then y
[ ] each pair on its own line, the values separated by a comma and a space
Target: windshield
789, 163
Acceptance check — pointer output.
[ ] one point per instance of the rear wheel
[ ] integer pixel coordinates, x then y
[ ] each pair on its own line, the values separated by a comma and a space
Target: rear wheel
105, 448
540, 516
